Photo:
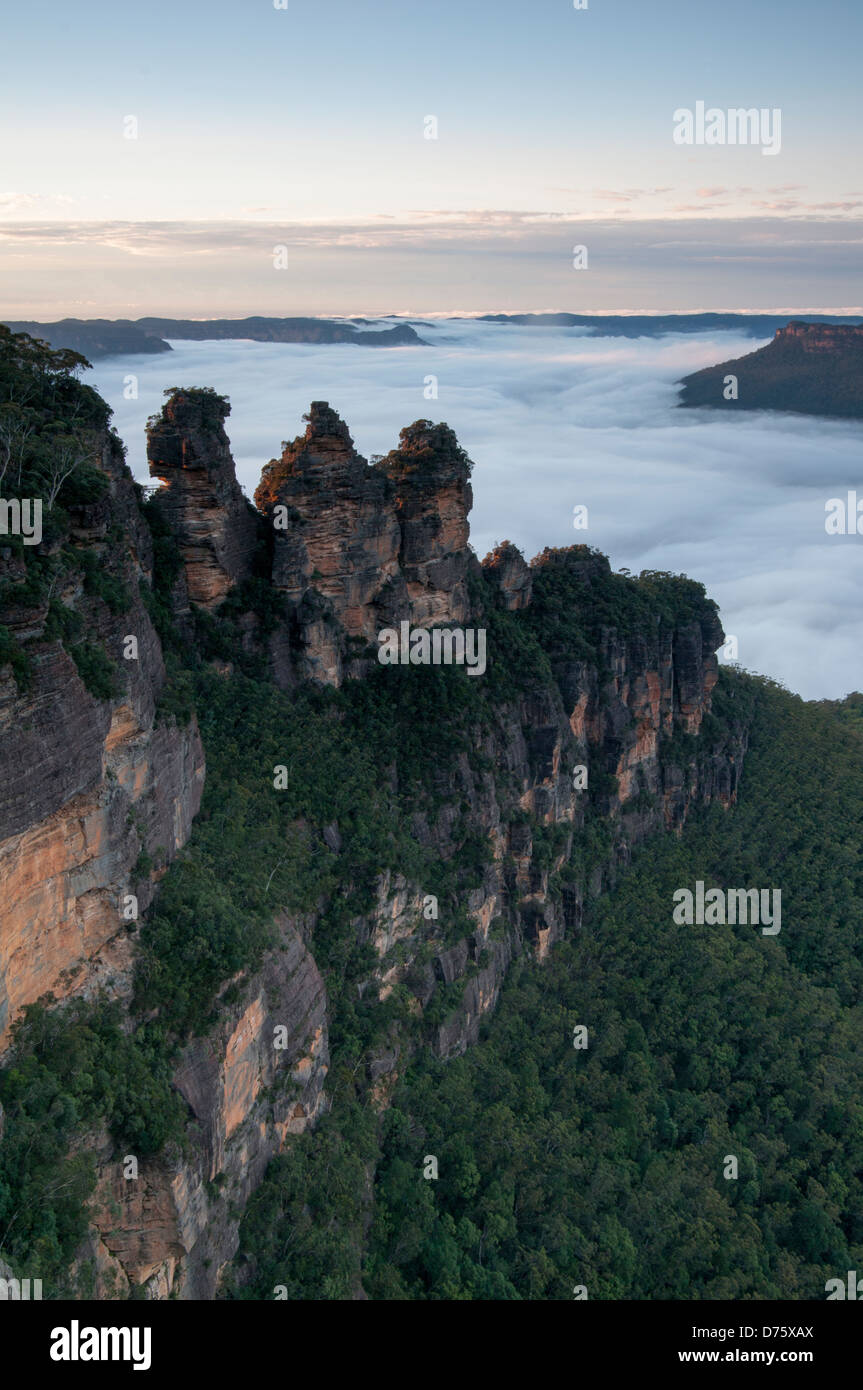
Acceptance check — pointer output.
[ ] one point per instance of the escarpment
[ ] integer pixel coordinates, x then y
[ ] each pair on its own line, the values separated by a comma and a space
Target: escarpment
810, 368
96, 794
521, 795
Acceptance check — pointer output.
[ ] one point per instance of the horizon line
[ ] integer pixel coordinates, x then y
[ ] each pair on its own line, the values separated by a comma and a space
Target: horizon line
446, 314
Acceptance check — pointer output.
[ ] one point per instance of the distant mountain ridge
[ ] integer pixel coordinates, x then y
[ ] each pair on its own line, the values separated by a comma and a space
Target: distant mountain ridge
99, 338
811, 368
654, 325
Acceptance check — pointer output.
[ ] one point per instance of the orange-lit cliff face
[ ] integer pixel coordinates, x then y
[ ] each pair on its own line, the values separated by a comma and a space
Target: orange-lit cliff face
821, 337
86, 784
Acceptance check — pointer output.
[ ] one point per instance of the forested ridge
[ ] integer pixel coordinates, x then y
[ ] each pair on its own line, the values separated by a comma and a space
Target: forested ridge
602, 1167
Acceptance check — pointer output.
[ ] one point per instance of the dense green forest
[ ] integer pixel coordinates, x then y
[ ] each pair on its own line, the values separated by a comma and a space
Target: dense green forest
603, 1166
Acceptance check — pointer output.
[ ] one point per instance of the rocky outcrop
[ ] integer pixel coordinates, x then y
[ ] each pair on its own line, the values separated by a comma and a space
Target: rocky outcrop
359, 547
641, 691
630, 720
336, 543
809, 368
203, 504
509, 573
430, 476
821, 337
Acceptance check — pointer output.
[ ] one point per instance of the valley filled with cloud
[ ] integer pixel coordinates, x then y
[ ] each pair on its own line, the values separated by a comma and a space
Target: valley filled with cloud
555, 419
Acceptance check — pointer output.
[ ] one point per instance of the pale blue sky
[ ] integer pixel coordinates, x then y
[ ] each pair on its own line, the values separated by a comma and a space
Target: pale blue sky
312, 117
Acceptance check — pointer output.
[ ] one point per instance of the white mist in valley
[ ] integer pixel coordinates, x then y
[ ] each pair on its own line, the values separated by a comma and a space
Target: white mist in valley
557, 418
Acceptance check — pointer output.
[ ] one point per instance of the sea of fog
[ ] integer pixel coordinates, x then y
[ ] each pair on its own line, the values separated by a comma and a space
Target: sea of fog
554, 419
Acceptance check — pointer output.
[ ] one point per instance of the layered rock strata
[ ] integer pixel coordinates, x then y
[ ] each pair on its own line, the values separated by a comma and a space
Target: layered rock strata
96, 796
202, 502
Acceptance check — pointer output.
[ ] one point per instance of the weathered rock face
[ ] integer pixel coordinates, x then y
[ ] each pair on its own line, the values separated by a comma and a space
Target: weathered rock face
336, 543
619, 726
658, 682
510, 574
202, 502
821, 337
86, 784
430, 475
66, 877
56, 730
358, 548
253, 1082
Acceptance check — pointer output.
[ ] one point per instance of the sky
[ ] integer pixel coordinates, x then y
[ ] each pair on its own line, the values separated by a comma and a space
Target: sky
155, 156
555, 419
